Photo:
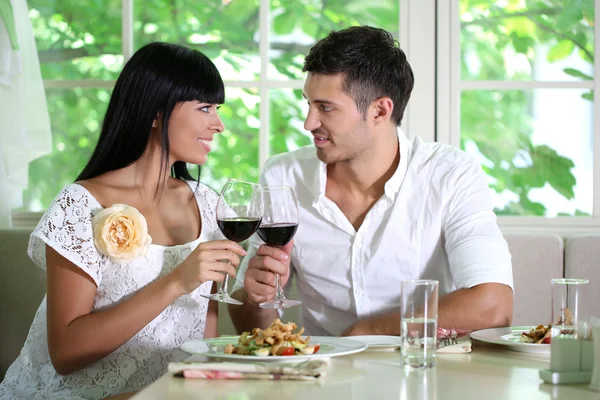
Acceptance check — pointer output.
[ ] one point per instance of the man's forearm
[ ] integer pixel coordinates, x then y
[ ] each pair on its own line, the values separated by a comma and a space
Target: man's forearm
248, 316
383, 324
483, 306
488, 305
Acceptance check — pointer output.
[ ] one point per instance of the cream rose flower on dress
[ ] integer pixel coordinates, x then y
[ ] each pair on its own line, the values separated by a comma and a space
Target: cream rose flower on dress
121, 233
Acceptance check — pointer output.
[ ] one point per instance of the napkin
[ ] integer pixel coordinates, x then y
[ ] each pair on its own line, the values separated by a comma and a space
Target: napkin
453, 341
303, 371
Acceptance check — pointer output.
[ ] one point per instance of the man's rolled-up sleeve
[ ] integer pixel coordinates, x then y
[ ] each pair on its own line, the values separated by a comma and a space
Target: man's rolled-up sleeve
477, 251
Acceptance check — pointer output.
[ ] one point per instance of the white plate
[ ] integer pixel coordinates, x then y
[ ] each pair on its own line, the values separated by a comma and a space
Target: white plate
330, 347
380, 341
510, 337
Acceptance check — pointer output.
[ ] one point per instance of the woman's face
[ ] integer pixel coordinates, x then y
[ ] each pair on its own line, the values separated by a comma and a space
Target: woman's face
192, 127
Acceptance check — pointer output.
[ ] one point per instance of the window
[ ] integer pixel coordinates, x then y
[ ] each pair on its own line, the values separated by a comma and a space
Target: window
520, 89
512, 82
258, 46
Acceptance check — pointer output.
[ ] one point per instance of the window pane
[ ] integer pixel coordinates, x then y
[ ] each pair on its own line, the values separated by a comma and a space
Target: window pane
78, 42
235, 154
522, 40
288, 111
536, 147
226, 31
76, 117
297, 25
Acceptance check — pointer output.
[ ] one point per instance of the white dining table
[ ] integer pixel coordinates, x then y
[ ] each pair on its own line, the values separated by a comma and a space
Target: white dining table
489, 372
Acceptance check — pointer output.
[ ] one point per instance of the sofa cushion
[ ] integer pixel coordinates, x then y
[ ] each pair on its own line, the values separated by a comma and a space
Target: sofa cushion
22, 288
582, 255
536, 259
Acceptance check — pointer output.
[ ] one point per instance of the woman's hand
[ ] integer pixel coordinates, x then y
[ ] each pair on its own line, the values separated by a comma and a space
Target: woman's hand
208, 262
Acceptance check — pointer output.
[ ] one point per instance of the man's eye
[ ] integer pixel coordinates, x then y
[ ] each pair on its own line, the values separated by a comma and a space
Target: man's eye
325, 108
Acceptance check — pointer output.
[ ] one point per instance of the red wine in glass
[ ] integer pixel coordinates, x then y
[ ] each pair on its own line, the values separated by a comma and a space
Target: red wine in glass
239, 212
238, 229
278, 227
277, 235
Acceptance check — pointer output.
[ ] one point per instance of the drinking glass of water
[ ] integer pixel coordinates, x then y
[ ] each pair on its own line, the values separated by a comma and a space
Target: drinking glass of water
569, 302
418, 322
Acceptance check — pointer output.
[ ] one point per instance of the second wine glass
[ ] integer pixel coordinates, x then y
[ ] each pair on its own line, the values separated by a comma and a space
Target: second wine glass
277, 228
239, 212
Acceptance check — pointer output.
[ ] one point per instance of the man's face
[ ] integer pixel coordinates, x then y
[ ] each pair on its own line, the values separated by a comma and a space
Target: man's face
339, 131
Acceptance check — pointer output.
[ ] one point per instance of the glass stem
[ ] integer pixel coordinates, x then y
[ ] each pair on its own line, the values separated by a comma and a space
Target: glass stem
223, 285
279, 295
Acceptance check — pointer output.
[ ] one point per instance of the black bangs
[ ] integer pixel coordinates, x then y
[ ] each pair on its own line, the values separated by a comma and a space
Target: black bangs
195, 77
184, 74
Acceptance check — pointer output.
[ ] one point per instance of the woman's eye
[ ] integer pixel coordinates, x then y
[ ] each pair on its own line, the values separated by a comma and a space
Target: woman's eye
205, 109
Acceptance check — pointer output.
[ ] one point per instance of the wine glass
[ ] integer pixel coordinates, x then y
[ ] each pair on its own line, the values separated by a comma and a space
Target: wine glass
239, 211
278, 226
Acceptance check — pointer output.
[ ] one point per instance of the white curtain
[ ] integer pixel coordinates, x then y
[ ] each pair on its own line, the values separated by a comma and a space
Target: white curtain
24, 121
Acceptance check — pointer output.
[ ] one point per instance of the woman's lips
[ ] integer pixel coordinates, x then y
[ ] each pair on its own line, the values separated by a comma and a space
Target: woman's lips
206, 143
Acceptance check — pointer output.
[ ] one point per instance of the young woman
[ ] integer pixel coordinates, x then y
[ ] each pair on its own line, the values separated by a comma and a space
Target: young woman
132, 245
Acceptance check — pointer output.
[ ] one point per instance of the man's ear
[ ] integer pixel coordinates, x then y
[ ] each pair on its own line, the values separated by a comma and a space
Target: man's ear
382, 110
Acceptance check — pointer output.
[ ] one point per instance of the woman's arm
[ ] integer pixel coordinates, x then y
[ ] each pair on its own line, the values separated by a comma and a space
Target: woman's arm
212, 317
76, 336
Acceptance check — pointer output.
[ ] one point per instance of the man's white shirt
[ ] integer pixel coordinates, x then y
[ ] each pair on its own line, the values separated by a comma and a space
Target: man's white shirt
435, 221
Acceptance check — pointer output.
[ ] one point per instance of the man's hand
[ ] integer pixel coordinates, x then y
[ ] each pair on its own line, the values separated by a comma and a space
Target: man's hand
260, 281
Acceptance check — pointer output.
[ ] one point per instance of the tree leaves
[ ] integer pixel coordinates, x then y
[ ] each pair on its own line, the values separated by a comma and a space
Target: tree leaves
577, 74
569, 16
284, 23
560, 50
497, 124
500, 124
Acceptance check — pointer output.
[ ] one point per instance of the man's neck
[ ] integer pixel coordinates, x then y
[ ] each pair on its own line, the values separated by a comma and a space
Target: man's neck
367, 175
356, 186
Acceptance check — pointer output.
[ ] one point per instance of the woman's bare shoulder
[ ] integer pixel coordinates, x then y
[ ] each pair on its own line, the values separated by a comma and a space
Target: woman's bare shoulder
96, 188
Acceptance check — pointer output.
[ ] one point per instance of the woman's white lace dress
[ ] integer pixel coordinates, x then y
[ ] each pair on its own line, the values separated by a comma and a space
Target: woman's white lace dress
67, 228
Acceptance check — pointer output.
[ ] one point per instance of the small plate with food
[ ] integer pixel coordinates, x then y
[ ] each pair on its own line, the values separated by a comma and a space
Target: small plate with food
277, 343
525, 339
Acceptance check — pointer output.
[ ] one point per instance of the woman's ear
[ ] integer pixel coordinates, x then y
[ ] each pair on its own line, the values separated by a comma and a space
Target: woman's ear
156, 121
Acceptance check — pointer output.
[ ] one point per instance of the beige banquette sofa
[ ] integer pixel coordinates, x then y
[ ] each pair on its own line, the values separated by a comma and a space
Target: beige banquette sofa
536, 259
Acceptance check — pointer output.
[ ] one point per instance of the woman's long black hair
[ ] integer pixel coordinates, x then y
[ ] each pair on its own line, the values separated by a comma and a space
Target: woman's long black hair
153, 81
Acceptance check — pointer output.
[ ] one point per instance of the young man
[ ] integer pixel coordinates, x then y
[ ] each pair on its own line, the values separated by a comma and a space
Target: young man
376, 207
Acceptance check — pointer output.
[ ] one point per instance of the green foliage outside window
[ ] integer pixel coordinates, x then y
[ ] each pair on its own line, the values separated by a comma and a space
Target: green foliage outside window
77, 42
499, 123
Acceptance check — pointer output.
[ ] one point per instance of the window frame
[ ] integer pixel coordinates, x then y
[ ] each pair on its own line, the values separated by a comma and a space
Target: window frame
414, 14
430, 36
449, 87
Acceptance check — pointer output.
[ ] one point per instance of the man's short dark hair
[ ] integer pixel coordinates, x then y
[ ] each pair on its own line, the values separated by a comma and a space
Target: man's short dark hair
372, 63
